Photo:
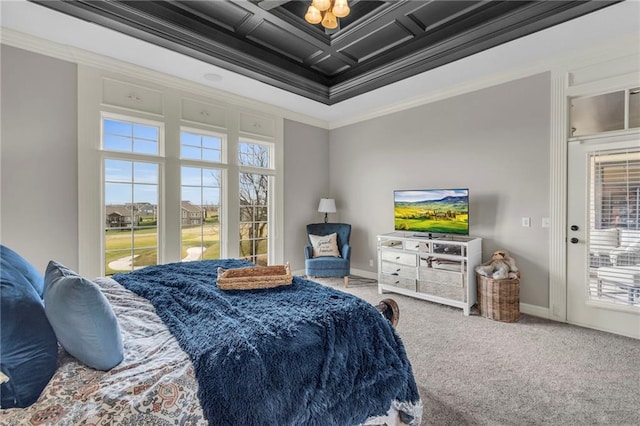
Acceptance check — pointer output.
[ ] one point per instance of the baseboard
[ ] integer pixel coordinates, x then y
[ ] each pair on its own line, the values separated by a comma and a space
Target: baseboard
364, 274
536, 311
356, 272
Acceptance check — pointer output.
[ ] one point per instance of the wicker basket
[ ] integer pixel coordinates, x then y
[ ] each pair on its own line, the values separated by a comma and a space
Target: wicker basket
254, 277
499, 299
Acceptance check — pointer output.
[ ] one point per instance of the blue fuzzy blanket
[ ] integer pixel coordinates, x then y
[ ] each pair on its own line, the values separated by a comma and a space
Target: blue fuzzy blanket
302, 354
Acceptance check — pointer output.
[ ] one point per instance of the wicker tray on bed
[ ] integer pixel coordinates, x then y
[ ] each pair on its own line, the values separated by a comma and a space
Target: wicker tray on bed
254, 277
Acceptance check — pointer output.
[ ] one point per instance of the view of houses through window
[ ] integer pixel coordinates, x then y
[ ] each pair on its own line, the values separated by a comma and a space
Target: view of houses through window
200, 213
132, 193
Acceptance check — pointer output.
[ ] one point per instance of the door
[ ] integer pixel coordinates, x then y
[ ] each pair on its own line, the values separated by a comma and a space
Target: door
603, 239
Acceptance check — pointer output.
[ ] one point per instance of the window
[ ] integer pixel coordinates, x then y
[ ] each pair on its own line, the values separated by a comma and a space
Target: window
196, 146
128, 136
614, 216
170, 178
615, 199
200, 213
130, 202
254, 200
131, 190
254, 155
605, 113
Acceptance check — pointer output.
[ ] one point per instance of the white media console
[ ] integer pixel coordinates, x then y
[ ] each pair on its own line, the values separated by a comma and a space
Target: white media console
439, 269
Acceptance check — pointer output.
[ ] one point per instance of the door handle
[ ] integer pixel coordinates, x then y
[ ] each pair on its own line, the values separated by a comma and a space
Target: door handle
574, 240
574, 227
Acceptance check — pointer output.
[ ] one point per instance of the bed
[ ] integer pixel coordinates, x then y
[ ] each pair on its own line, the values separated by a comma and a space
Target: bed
194, 354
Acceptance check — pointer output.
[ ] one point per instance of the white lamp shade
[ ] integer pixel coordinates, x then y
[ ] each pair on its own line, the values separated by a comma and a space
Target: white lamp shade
327, 205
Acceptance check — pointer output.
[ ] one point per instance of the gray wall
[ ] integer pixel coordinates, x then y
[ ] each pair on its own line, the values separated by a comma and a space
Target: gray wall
38, 161
494, 141
306, 162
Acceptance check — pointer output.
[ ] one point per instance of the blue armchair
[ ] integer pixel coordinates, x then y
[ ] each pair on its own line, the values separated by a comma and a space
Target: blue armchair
329, 266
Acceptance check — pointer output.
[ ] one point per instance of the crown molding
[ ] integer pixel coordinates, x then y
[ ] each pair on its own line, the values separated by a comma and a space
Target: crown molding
624, 46
601, 54
78, 56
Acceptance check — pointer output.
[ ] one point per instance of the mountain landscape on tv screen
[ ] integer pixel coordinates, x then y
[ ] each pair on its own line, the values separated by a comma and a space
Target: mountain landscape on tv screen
448, 215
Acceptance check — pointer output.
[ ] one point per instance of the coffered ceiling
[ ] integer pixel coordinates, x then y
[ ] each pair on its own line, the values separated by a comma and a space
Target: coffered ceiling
379, 43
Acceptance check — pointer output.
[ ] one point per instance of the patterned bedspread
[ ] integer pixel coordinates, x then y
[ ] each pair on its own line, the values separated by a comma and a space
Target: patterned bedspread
155, 383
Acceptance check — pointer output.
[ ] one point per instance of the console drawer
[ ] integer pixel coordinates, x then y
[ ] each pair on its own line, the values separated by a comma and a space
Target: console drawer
399, 270
396, 281
399, 257
439, 289
448, 278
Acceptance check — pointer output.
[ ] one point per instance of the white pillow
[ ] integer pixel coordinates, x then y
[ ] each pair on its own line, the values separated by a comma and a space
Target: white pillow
325, 245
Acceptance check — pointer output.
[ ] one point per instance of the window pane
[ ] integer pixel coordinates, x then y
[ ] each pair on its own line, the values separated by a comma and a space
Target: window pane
254, 217
634, 108
252, 154
199, 213
190, 152
196, 146
191, 176
597, 114
141, 131
117, 128
211, 177
211, 142
211, 155
145, 172
118, 171
117, 193
145, 147
130, 137
614, 228
117, 143
131, 198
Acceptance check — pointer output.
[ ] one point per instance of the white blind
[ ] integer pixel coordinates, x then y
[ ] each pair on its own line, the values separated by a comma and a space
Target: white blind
614, 238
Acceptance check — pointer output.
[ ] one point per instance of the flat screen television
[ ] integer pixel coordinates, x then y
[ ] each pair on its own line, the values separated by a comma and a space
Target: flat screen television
432, 211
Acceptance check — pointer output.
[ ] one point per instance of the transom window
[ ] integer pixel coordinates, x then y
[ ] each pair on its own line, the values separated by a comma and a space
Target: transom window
128, 136
254, 154
198, 146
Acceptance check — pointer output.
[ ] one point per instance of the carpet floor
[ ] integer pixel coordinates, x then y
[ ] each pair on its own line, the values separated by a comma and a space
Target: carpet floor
475, 371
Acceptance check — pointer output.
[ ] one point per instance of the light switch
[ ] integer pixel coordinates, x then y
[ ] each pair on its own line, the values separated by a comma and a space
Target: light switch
546, 222
526, 221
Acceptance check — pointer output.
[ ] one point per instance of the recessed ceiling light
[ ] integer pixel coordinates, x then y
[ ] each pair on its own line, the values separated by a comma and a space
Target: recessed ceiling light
212, 77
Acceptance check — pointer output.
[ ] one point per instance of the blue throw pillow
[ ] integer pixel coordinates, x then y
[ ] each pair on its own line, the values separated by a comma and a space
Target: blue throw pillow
28, 345
82, 318
32, 275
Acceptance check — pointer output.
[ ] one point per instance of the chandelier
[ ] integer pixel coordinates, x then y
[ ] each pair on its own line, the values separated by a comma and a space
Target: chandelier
326, 12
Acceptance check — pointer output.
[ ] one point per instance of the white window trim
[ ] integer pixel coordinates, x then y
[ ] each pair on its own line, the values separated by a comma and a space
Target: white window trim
90, 170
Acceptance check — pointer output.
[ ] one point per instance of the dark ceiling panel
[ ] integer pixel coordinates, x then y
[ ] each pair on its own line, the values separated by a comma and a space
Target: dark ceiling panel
379, 43
330, 65
435, 14
277, 39
226, 15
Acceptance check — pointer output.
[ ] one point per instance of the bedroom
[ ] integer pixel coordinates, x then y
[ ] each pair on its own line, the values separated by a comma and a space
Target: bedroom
509, 170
